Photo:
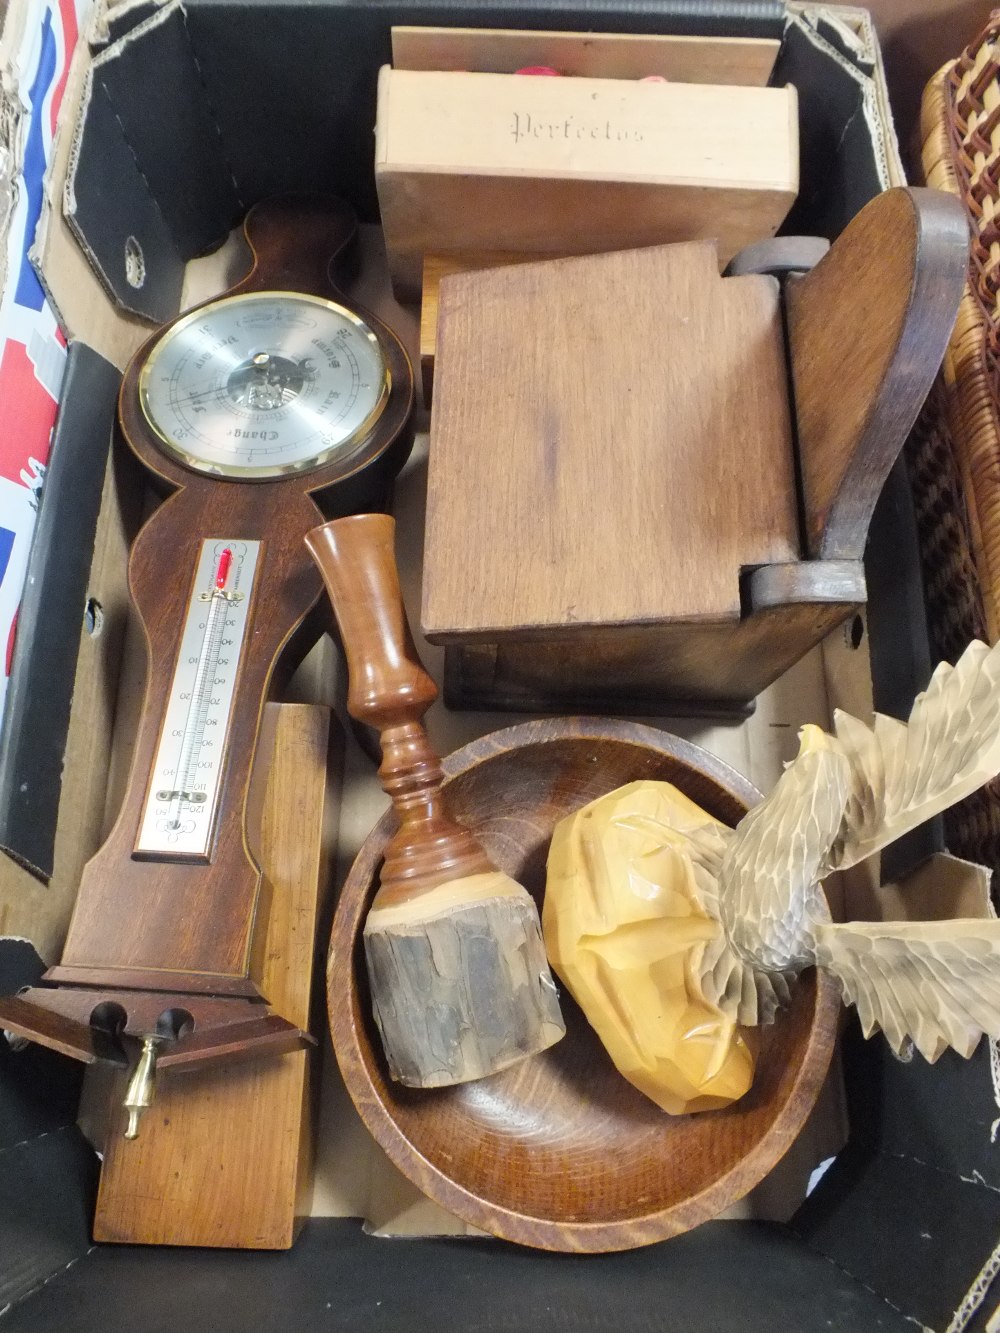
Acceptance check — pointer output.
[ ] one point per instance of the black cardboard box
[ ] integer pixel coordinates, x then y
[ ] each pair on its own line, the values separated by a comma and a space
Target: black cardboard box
191, 113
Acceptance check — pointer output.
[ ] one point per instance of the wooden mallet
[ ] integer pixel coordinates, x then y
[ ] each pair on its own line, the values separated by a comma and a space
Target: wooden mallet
459, 981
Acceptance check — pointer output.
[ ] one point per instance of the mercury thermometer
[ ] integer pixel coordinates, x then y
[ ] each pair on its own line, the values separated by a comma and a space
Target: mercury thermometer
180, 807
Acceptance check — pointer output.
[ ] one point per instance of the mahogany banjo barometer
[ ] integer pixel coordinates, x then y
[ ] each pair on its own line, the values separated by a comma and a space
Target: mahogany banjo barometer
244, 408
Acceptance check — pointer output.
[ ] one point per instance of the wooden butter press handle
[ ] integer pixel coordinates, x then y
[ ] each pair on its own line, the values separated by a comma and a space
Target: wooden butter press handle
390, 690
356, 557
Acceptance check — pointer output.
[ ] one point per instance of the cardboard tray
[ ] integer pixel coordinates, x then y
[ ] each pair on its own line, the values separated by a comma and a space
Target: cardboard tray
190, 114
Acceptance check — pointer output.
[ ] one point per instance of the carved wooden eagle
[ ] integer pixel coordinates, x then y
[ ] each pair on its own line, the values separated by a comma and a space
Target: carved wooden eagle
840, 800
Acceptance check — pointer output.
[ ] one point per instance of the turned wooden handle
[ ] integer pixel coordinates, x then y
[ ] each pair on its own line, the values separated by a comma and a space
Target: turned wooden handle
356, 557
389, 689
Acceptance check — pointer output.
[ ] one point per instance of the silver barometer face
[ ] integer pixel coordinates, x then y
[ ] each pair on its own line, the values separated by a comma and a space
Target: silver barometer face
264, 384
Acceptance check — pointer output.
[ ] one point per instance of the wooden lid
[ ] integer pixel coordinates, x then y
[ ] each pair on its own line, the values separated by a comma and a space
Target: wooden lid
610, 444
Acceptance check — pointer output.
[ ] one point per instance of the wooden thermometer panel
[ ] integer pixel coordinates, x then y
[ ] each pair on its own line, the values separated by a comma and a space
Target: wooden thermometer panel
154, 898
243, 408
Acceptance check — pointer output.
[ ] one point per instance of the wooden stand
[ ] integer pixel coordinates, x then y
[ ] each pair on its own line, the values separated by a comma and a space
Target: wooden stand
225, 1153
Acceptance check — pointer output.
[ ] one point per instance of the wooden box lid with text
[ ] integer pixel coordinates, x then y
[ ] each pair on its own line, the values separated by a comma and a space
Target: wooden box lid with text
476, 161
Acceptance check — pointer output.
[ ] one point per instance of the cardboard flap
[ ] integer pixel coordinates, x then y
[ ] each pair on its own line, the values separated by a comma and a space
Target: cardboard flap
943, 1225
46, 1166
942, 888
114, 217
150, 184
114, 23
844, 30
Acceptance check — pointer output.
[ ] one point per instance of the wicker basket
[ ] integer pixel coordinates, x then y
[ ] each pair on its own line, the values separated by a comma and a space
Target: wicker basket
954, 451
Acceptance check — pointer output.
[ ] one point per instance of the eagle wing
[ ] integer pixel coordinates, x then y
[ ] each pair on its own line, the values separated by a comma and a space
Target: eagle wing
905, 773
934, 982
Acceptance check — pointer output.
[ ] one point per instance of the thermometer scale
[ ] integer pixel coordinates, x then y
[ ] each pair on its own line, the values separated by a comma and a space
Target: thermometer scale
242, 409
180, 807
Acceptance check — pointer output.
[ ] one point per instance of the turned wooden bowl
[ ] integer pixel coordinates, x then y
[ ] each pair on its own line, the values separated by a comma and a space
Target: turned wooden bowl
560, 1151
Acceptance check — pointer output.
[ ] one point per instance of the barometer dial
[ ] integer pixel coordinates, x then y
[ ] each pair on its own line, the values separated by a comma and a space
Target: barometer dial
264, 384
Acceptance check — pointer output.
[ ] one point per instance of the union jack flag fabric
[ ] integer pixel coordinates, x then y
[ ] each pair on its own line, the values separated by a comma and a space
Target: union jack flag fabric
32, 346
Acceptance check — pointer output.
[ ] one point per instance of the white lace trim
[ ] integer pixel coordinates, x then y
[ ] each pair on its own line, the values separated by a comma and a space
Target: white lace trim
976, 1294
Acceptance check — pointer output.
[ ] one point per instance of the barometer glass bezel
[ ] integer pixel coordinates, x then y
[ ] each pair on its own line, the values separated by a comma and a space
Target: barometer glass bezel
342, 451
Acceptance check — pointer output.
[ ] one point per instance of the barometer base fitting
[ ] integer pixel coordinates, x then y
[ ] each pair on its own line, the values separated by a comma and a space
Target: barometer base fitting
89, 1025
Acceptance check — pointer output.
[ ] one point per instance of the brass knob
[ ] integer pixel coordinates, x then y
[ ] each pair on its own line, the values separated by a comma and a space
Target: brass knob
142, 1086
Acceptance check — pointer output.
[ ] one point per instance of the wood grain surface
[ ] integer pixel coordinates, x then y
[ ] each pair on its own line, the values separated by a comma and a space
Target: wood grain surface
867, 329
223, 1156
747, 61
437, 266
684, 667
295, 243
610, 444
638, 549
561, 1152
198, 919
